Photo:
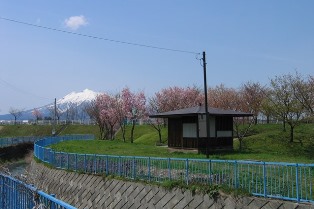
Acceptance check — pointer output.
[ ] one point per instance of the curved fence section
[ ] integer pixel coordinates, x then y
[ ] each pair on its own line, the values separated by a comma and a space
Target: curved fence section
6, 142
289, 181
16, 194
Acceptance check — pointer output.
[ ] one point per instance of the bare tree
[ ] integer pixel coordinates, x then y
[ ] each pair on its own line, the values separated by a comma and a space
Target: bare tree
71, 112
16, 113
93, 110
230, 98
304, 91
253, 95
157, 123
37, 114
51, 110
285, 103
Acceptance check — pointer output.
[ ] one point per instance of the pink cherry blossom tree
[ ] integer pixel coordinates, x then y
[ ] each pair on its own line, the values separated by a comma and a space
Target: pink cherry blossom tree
174, 98
157, 123
108, 114
93, 110
37, 114
134, 107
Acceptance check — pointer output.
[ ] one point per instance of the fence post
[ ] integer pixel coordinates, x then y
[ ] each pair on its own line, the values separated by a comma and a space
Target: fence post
119, 166
187, 171
149, 175
297, 181
107, 165
210, 172
52, 158
61, 156
85, 163
133, 168
235, 174
265, 179
52, 206
68, 164
95, 164
75, 161
169, 169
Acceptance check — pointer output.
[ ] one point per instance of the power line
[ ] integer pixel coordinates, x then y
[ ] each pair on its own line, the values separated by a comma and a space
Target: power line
11, 86
99, 38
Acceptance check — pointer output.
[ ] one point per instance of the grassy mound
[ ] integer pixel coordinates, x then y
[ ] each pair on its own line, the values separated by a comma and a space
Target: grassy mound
266, 142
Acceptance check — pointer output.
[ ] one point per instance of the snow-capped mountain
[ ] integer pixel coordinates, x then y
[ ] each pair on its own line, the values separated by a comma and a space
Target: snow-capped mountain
78, 97
70, 107
73, 104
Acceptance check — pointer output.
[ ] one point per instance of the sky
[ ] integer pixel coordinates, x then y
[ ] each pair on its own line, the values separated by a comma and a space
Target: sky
244, 40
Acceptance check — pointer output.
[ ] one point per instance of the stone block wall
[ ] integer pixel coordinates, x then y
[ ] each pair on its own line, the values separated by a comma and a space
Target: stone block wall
91, 191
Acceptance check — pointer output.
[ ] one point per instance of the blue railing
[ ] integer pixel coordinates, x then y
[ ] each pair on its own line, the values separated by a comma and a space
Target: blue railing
289, 181
6, 142
16, 194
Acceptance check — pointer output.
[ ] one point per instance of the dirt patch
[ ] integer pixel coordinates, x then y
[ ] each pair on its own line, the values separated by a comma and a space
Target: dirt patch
1, 127
183, 150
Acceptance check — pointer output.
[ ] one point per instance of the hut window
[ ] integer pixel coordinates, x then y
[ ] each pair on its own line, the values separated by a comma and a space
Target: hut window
224, 123
189, 130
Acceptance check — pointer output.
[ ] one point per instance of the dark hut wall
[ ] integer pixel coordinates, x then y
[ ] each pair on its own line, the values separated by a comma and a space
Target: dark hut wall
190, 132
175, 132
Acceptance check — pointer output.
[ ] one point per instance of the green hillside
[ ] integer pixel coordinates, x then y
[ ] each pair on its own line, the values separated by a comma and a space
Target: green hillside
267, 142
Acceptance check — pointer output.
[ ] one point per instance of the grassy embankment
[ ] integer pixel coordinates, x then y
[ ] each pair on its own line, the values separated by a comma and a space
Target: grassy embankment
265, 143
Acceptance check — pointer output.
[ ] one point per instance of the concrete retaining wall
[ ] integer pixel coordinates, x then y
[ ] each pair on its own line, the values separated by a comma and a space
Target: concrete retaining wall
89, 191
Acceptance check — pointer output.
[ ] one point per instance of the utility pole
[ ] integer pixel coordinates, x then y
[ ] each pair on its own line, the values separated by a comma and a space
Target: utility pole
54, 118
206, 104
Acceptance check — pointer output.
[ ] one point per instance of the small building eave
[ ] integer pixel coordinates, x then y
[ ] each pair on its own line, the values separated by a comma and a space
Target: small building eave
199, 110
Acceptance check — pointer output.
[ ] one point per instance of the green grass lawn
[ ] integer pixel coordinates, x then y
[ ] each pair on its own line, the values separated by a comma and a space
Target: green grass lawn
24, 130
267, 142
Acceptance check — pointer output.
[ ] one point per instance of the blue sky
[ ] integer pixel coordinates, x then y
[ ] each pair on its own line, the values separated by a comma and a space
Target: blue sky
244, 41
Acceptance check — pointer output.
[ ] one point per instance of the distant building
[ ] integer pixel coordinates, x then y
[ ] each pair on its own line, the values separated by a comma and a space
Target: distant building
187, 128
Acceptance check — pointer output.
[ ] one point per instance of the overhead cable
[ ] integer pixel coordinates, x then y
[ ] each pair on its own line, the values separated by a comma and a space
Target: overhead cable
97, 37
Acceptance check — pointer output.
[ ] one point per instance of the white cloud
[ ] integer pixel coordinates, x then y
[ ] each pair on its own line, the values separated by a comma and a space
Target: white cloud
75, 22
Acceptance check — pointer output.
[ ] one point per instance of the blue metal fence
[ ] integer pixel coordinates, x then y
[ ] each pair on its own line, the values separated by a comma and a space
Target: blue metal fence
16, 194
289, 181
6, 142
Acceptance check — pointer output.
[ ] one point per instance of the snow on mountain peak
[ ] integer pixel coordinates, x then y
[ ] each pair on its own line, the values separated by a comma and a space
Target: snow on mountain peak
78, 97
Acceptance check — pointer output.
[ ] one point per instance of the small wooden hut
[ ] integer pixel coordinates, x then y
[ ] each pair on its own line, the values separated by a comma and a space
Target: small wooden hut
187, 128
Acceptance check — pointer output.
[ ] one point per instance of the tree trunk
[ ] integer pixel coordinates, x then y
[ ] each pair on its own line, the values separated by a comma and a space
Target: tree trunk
111, 133
240, 145
132, 130
291, 133
159, 134
123, 131
101, 132
284, 125
255, 120
267, 119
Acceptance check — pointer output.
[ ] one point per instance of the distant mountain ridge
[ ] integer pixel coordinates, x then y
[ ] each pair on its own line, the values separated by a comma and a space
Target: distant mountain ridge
72, 107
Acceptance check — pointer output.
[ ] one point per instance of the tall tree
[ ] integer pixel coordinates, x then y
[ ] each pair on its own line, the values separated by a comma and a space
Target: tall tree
174, 98
37, 114
286, 104
52, 113
157, 123
304, 91
222, 97
108, 114
93, 110
134, 104
253, 95
16, 113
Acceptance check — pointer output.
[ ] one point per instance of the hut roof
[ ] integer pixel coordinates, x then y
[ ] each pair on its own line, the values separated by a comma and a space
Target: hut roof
200, 110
